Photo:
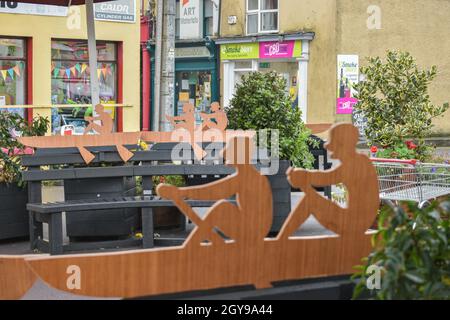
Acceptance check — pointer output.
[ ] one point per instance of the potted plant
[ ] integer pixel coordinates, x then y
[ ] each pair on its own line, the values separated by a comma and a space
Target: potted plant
13, 191
395, 101
262, 103
411, 256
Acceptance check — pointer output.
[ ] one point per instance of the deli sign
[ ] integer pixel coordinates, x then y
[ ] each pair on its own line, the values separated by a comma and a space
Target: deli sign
191, 25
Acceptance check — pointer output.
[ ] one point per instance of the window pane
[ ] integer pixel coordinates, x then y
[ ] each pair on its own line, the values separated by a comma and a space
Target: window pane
269, 21
78, 50
269, 4
12, 84
12, 48
252, 5
252, 23
209, 27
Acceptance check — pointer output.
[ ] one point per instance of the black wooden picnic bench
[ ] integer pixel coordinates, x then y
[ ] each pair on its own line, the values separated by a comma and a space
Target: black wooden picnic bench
66, 164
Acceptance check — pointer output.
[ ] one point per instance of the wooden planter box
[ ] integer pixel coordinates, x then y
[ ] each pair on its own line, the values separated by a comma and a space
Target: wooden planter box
281, 195
101, 223
13, 212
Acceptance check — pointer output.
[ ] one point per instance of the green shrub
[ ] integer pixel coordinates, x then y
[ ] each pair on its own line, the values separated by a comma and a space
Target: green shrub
10, 169
261, 102
412, 249
394, 98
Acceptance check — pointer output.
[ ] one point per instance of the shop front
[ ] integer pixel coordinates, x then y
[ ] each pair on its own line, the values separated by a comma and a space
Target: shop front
286, 55
196, 76
44, 65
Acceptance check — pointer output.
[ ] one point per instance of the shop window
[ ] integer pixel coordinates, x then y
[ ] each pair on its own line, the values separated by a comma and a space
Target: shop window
194, 87
71, 80
262, 16
13, 73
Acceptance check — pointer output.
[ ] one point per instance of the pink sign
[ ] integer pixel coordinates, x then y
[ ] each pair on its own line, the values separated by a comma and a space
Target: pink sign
345, 105
271, 50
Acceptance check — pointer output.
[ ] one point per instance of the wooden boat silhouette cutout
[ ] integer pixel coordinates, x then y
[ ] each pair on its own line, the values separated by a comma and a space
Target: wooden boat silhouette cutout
104, 137
209, 260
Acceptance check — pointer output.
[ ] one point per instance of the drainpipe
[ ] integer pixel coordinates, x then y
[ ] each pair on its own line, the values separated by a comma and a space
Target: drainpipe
146, 72
158, 51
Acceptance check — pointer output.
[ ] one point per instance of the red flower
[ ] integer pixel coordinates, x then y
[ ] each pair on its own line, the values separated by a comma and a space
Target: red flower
411, 145
374, 149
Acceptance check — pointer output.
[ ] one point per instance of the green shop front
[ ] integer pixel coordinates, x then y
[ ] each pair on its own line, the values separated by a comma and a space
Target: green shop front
196, 76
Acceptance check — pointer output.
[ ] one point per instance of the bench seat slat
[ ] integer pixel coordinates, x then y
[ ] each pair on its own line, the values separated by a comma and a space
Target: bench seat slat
114, 203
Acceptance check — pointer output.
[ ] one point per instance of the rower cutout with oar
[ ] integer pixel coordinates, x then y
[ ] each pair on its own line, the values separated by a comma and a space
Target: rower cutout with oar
186, 121
237, 222
358, 175
217, 119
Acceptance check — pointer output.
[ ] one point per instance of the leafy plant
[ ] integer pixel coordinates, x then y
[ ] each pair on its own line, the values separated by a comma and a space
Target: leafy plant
261, 102
412, 249
177, 181
394, 98
401, 151
10, 125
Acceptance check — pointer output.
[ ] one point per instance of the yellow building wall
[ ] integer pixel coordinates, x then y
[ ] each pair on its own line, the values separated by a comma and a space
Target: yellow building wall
45, 28
340, 27
418, 26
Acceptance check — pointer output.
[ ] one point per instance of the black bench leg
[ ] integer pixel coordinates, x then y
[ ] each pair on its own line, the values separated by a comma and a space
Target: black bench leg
55, 234
36, 231
147, 228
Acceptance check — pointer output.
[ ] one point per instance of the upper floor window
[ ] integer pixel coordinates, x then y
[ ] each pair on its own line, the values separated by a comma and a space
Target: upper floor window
262, 16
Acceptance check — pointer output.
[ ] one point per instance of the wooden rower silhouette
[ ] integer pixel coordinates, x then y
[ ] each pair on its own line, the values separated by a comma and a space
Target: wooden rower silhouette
106, 125
355, 172
246, 256
254, 202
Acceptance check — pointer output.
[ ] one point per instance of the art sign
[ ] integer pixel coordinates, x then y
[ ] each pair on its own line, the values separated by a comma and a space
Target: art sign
191, 24
348, 76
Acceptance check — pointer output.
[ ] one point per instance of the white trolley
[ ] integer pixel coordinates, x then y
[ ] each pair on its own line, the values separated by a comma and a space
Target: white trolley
411, 180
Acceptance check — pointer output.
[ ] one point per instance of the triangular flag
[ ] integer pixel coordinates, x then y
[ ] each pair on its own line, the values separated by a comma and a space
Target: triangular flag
99, 71
78, 67
62, 72
83, 67
68, 73
11, 73
4, 74
109, 70
55, 72
17, 70
104, 72
74, 71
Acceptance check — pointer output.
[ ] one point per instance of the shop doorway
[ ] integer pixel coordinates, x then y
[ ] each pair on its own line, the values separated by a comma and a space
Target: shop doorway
194, 87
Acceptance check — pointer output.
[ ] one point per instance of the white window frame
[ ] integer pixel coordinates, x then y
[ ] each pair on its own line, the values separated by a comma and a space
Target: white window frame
259, 12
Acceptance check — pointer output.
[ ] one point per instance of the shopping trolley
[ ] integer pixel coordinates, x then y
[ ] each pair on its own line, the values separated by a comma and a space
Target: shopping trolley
411, 180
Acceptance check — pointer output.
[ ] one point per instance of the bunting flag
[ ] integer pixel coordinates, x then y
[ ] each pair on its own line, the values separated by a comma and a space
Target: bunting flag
74, 71
83, 67
17, 70
11, 73
55, 72
68, 73
104, 72
99, 72
78, 67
